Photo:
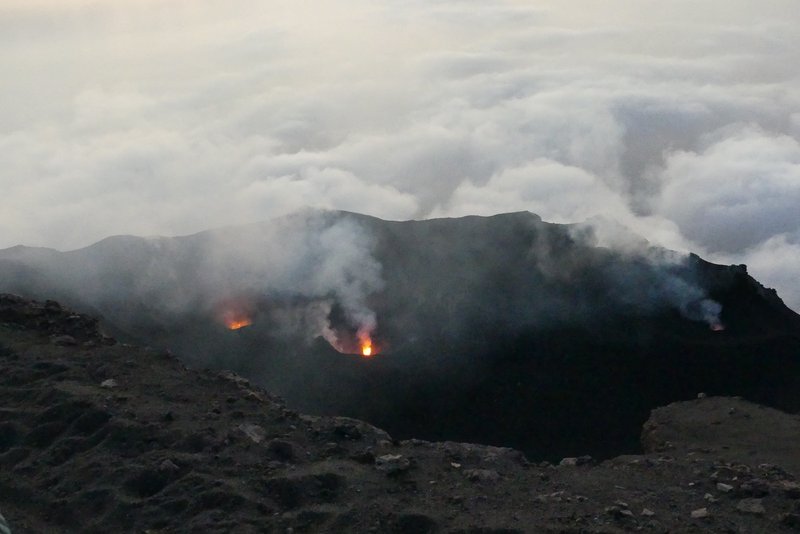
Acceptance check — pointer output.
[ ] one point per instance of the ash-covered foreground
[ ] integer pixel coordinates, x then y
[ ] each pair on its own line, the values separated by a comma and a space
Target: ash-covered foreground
96, 436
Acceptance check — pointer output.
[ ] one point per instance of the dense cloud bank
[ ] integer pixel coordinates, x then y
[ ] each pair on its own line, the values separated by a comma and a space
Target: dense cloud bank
679, 120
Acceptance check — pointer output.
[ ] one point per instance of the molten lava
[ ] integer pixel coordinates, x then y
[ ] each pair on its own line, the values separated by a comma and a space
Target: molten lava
236, 324
235, 313
366, 347
361, 343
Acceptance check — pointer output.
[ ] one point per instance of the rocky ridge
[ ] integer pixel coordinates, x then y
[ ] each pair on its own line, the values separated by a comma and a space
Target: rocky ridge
501, 330
99, 436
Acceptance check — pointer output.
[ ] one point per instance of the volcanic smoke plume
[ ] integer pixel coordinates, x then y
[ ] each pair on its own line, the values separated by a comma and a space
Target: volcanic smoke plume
331, 274
312, 261
489, 316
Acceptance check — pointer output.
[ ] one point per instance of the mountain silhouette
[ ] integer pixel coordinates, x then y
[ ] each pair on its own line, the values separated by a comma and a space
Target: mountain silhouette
503, 330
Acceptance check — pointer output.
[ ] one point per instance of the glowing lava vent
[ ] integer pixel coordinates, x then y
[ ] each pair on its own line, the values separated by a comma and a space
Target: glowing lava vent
236, 324
360, 344
235, 314
366, 346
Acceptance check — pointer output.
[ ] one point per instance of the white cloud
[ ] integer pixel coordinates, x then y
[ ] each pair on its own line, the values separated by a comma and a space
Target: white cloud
326, 188
555, 191
738, 192
678, 119
774, 262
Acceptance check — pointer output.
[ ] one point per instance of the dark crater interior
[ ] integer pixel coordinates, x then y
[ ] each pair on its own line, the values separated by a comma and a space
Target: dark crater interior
503, 330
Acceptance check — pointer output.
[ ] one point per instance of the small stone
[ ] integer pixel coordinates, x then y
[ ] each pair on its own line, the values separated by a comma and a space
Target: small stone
253, 396
557, 496
392, 464
455, 465
233, 377
709, 497
648, 512
575, 461
701, 395
618, 512
724, 488
751, 506
168, 466
334, 449
109, 383
254, 432
700, 513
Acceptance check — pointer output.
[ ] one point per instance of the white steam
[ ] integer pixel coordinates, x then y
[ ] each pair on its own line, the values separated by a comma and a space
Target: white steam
318, 257
650, 277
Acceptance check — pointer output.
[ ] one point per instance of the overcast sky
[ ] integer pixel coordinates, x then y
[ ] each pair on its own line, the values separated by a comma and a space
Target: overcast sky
679, 119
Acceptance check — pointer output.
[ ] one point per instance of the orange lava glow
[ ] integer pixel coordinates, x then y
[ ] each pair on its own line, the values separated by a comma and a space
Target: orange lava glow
236, 324
366, 347
235, 313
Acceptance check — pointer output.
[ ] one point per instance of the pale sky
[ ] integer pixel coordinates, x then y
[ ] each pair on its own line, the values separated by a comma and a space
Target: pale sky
680, 120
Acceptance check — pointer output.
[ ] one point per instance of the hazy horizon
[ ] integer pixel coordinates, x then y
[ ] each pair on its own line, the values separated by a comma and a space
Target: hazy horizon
679, 120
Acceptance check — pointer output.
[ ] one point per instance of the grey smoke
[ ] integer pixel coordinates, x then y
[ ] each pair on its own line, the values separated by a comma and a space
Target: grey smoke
324, 274
310, 255
659, 276
296, 268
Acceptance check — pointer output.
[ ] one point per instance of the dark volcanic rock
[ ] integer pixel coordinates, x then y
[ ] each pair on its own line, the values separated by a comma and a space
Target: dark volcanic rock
502, 330
690, 426
74, 453
65, 327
